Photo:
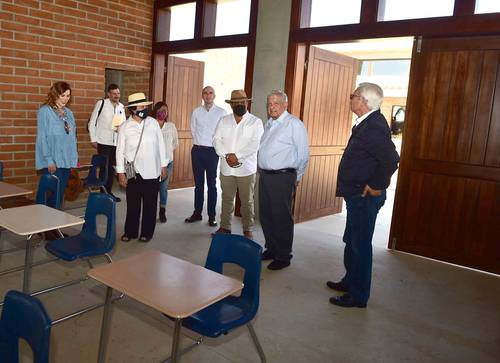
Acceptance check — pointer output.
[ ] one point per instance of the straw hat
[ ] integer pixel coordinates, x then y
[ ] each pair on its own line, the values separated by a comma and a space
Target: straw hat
238, 95
138, 99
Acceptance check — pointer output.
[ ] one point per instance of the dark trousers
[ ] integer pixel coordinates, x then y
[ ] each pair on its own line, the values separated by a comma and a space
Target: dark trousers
361, 216
63, 175
204, 161
110, 152
145, 192
276, 215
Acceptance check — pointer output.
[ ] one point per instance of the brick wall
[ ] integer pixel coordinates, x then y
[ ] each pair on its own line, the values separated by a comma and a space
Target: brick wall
46, 41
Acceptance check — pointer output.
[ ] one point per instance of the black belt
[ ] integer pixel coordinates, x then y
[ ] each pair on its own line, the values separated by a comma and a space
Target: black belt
278, 171
203, 147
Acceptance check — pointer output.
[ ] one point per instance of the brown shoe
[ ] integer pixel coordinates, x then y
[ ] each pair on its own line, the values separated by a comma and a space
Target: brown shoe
248, 234
194, 218
221, 230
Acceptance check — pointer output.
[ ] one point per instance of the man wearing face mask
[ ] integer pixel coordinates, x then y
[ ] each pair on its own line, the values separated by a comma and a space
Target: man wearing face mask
107, 116
140, 142
236, 141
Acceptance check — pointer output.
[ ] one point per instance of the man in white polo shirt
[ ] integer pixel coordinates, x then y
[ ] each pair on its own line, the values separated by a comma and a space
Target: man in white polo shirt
236, 141
204, 159
107, 116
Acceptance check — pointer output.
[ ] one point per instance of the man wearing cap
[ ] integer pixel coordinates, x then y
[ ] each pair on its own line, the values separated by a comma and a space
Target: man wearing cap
236, 141
282, 160
204, 159
103, 124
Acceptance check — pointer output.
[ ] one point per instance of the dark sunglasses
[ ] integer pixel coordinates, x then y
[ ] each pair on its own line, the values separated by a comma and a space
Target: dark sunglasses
352, 95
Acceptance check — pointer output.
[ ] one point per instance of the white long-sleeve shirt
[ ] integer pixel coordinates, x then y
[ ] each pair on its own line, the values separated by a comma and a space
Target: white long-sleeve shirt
170, 138
151, 156
242, 139
203, 124
284, 145
101, 129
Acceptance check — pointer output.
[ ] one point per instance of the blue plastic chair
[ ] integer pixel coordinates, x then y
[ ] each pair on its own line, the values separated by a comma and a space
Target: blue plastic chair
98, 173
88, 243
233, 311
49, 191
24, 316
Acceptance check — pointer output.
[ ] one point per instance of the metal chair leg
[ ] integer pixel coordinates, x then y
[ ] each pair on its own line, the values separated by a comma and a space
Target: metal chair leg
256, 342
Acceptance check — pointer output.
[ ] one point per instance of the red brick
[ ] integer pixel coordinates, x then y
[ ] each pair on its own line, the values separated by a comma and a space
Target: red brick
6, 70
6, 34
13, 130
24, 54
14, 9
51, 74
26, 72
29, 3
12, 147
26, 88
41, 14
25, 139
14, 164
26, 37
68, 3
41, 31
52, 25
13, 44
6, 123
27, 20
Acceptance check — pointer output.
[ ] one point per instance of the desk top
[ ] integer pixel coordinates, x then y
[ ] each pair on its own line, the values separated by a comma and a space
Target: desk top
36, 218
10, 190
170, 285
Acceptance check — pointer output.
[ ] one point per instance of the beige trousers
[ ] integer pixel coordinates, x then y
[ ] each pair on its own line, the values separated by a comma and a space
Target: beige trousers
245, 185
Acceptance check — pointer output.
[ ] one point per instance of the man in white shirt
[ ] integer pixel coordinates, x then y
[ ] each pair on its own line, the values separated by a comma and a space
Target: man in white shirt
236, 141
282, 160
204, 159
103, 124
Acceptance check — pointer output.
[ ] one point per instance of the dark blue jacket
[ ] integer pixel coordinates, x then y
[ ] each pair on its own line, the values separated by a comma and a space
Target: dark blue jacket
369, 158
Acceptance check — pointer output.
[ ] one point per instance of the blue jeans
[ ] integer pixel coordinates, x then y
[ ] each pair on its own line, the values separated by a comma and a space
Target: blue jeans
63, 175
361, 216
164, 186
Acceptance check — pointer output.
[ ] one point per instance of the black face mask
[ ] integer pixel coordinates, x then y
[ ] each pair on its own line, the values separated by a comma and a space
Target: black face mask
239, 110
142, 113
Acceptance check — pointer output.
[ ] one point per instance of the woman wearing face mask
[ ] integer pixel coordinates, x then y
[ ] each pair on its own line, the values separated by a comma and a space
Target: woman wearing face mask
160, 111
140, 141
56, 151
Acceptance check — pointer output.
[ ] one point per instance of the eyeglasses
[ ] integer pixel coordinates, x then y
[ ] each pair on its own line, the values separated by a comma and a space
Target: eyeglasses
352, 95
66, 127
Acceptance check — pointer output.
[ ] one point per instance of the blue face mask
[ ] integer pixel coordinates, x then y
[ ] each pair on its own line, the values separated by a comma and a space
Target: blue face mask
142, 113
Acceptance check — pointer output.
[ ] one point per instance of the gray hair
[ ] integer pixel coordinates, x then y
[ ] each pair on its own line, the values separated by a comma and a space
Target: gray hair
372, 93
276, 92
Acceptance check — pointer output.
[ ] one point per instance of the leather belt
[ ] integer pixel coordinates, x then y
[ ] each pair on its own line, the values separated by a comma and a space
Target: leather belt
203, 147
278, 171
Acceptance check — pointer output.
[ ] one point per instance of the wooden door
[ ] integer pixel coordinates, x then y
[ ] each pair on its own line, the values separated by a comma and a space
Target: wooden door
330, 79
447, 202
183, 86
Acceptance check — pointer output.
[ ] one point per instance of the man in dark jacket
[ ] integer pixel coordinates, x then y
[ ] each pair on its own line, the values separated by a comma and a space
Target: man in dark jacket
365, 171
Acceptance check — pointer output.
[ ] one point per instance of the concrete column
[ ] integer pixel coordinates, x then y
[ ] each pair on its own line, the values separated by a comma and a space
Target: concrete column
271, 49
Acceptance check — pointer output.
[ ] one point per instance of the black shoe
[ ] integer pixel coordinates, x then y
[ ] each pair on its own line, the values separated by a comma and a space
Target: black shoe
194, 218
212, 222
337, 286
117, 200
346, 301
163, 217
278, 265
267, 255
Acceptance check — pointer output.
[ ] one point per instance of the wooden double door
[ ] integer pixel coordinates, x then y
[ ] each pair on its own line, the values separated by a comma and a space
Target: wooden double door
447, 202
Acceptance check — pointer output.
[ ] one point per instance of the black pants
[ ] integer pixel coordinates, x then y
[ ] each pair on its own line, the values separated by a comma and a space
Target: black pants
145, 192
276, 215
204, 160
110, 152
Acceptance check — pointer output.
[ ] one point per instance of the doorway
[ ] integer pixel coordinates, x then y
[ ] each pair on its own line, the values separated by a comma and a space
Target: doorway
385, 62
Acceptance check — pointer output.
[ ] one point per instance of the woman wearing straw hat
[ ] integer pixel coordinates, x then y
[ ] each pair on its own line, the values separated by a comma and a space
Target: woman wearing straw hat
141, 150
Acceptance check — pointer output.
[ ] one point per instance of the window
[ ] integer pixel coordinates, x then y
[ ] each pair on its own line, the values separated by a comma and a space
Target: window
411, 9
334, 12
487, 6
232, 17
176, 22
393, 67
